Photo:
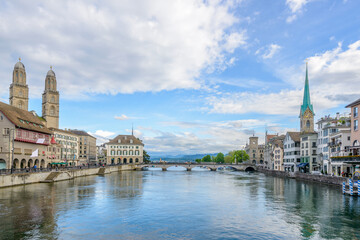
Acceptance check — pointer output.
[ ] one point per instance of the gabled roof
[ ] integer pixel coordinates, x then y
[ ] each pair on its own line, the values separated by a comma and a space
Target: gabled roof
81, 133
357, 102
268, 137
295, 136
125, 139
23, 119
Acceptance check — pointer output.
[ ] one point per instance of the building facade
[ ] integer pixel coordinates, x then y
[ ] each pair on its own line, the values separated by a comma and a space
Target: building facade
255, 151
23, 139
291, 151
86, 147
69, 146
124, 149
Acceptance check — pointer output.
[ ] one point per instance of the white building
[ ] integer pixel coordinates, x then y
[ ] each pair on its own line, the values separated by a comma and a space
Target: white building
291, 151
69, 145
124, 149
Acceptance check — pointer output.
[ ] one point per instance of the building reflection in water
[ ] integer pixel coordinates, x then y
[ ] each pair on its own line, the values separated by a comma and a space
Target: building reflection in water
33, 210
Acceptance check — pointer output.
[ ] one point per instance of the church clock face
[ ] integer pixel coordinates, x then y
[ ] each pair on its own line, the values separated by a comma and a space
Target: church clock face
307, 115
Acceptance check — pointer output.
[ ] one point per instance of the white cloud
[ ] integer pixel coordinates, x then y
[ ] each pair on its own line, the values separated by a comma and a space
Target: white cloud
122, 117
112, 47
334, 76
295, 7
202, 137
272, 49
102, 136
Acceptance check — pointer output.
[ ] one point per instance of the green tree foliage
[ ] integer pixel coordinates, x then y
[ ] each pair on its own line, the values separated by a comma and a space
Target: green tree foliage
239, 156
228, 157
146, 157
220, 158
207, 158
198, 160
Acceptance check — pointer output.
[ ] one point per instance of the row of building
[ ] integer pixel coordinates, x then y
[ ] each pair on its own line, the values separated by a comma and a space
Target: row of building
332, 149
28, 140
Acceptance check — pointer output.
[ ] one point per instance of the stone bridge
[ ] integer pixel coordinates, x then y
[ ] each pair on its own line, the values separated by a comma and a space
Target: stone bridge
189, 166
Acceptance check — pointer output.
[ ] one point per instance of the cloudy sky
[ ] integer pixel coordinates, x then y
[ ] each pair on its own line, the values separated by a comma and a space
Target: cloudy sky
193, 76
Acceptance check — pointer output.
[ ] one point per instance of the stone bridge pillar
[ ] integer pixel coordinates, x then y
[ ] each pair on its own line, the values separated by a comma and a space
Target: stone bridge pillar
188, 169
164, 168
212, 168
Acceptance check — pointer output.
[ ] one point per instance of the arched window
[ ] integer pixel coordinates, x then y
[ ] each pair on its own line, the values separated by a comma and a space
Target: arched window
118, 152
308, 124
356, 143
254, 155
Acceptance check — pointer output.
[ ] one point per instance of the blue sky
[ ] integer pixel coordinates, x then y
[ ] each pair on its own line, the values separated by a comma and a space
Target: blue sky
192, 76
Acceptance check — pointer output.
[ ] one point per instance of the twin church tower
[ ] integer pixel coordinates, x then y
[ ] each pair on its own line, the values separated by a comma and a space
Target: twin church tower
19, 95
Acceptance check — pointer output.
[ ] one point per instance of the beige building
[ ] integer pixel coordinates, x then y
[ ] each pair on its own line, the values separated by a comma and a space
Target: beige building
86, 147
255, 151
69, 146
50, 101
19, 90
355, 131
23, 139
53, 154
124, 149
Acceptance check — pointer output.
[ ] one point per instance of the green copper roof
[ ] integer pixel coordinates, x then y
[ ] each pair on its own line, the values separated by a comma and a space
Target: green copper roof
306, 101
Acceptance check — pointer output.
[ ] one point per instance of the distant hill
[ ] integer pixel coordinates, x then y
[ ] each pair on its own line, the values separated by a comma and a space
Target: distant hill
180, 158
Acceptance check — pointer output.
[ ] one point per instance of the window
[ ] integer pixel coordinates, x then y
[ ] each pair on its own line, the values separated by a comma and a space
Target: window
6, 131
356, 126
355, 111
308, 124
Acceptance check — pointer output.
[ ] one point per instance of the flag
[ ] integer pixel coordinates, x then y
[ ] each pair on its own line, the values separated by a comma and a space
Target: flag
35, 153
40, 140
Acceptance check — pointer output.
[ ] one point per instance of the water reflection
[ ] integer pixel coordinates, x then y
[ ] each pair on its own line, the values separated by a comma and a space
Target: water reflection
178, 205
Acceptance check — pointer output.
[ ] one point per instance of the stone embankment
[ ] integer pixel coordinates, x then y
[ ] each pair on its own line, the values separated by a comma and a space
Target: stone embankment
55, 176
307, 177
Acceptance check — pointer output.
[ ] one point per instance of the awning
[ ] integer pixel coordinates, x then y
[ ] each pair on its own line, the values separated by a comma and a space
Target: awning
59, 163
302, 164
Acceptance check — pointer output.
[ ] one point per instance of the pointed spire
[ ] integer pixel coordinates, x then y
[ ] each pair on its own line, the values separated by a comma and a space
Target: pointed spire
306, 99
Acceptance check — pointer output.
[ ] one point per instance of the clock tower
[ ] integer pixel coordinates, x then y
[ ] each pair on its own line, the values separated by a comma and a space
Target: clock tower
306, 111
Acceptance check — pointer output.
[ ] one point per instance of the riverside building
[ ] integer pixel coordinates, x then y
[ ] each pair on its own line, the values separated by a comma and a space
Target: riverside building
124, 149
291, 151
255, 151
86, 147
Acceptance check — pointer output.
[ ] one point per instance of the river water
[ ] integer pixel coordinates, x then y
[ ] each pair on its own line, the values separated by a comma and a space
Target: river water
178, 205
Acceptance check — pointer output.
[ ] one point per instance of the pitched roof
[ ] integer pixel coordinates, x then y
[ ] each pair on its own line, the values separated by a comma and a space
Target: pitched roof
306, 100
268, 137
23, 119
295, 136
81, 133
357, 102
63, 131
125, 139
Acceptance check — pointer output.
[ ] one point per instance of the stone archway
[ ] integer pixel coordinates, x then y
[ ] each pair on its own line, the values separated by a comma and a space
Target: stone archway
254, 161
16, 163
2, 164
131, 160
125, 160
42, 164
112, 160
119, 160
30, 163
136, 160
23, 164
37, 163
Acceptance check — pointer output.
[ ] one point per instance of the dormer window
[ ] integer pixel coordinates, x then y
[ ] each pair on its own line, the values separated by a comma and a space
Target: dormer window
119, 140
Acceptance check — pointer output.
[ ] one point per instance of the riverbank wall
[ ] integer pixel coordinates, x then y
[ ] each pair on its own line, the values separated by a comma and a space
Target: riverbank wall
307, 177
55, 176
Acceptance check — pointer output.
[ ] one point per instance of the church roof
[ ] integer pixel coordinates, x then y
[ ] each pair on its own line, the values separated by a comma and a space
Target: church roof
19, 65
23, 119
125, 139
306, 99
50, 73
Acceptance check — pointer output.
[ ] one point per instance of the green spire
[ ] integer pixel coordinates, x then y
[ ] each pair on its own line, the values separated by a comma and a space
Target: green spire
306, 101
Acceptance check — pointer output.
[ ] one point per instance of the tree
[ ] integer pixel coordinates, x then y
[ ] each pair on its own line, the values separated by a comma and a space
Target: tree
198, 160
220, 158
239, 156
146, 157
228, 157
207, 158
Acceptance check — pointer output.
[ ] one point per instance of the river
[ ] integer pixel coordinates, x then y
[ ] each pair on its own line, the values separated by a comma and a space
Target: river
178, 205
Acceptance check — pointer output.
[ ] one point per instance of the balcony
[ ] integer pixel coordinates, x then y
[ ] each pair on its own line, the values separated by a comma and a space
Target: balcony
347, 159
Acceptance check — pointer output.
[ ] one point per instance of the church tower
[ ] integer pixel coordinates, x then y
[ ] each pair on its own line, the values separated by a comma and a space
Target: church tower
19, 90
306, 111
50, 101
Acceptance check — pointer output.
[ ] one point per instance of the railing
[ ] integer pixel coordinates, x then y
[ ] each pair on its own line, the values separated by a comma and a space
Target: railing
346, 159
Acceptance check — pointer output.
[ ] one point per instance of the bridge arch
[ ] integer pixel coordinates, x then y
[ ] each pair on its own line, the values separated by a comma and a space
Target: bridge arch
250, 169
